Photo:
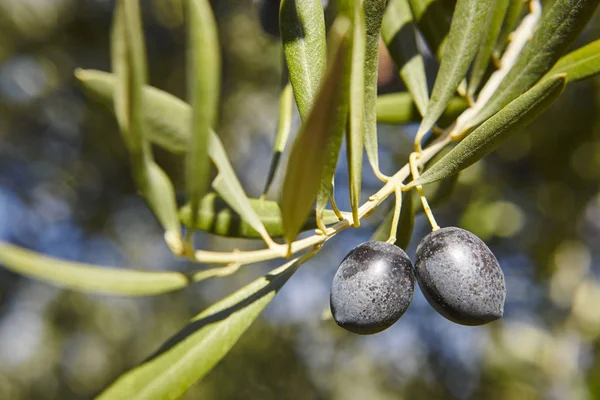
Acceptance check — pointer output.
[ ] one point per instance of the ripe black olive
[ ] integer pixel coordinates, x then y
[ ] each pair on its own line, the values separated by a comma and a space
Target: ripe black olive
460, 277
372, 288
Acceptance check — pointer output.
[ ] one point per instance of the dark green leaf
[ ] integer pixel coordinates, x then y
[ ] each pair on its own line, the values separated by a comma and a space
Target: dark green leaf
283, 132
216, 216
192, 352
433, 20
373, 11
398, 33
561, 25
494, 131
314, 155
204, 75
579, 64
495, 18
302, 25
468, 25
399, 108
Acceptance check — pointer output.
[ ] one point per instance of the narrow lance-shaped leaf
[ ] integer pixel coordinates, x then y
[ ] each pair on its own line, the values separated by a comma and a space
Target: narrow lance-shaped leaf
433, 19
355, 133
286, 103
302, 25
191, 353
495, 17
128, 59
579, 64
216, 216
373, 12
167, 120
398, 32
93, 278
204, 75
399, 109
513, 13
560, 26
494, 131
468, 24
314, 155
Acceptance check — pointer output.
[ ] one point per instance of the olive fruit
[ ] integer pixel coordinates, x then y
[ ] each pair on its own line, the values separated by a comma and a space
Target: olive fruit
460, 277
372, 288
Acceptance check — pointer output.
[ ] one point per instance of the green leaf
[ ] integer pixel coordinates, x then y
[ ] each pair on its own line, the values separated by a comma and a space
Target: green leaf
204, 75
495, 18
87, 277
513, 13
373, 11
497, 129
314, 155
399, 109
406, 222
398, 32
129, 64
466, 29
168, 120
302, 25
433, 20
283, 132
355, 133
216, 216
561, 25
579, 64
192, 352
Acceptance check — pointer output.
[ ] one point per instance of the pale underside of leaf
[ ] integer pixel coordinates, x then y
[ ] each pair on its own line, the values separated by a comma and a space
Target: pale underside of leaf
513, 13
497, 129
192, 352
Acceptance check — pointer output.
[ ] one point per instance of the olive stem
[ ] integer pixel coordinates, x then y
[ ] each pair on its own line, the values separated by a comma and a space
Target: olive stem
396, 217
414, 168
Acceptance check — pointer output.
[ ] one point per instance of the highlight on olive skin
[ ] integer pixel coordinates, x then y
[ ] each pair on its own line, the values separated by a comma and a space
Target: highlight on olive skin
372, 288
460, 277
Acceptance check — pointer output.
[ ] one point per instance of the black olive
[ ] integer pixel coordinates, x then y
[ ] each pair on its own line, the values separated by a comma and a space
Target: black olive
460, 277
372, 288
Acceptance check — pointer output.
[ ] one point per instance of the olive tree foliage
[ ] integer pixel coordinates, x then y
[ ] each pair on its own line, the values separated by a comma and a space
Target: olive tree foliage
499, 69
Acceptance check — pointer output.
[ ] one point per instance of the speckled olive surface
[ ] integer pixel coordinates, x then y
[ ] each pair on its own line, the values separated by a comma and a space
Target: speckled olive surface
372, 288
460, 277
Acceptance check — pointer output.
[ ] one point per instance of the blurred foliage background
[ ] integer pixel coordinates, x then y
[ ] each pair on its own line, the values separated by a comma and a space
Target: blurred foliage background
66, 191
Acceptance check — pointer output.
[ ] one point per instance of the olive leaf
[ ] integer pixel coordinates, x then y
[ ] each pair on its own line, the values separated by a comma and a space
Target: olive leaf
495, 17
513, 13
373, 12
560, 26
286, 103
579, 64
398, 32
204, 75
191, 353
487, 137
216, 216
355, 134
315, 151
468, 24
167, 119
433, 19
399, 109
302, 25
90, 278
129, 64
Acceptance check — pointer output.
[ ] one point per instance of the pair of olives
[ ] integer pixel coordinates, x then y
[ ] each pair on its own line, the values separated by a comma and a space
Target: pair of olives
456, 271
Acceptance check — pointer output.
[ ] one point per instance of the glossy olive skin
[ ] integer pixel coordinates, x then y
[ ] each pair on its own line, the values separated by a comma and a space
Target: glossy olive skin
372, 288
460, 277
